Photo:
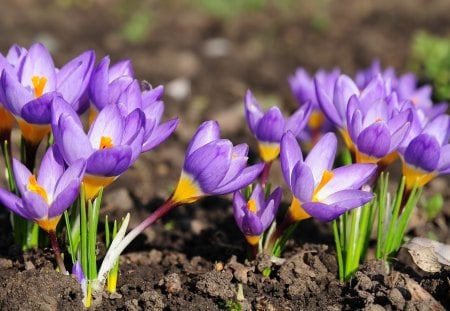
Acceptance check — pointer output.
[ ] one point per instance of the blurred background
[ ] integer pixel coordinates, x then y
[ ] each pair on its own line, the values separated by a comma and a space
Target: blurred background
208, 52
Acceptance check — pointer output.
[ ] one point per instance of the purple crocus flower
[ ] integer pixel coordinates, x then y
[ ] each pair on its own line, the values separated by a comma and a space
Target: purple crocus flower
269, 127
111, 146
334, 104
28, 92
318, 190
302, 86
109, 82
213, 166
254, 216
376, 128
116, 85
150, 102
428, 154
45, 198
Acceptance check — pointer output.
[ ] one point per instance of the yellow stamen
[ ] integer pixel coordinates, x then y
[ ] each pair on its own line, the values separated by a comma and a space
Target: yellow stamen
33, 133
252, 239
326, 177
316, 119
268, 151
92, 184
33, 186
187, 190
251, 206
296, 212
105, 142
415, 175
38, 85
48, 224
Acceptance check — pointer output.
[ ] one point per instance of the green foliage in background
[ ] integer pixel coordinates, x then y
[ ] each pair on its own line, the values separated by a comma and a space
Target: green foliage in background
430, 59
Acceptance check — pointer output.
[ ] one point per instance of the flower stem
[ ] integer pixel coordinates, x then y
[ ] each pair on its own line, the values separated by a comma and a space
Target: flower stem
57, 251
157, 214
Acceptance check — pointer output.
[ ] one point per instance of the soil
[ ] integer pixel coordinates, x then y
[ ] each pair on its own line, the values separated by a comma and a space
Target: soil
195, 258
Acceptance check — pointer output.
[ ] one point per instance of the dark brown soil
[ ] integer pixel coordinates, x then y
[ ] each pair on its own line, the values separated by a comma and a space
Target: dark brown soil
195, 258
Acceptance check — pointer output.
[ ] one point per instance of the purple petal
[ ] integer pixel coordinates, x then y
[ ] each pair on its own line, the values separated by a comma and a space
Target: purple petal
51, 169
109, 161
121, 68
239, 204
15, 96
38, 62
35, 205
253, 111
258, 195
152, 95
373, 92
326, 104
73, 173
321, 157
375, 140
302, 183
160, 134
290, 154
251, 224
65, 198
443, 166
134, 123
237, 164
325, 212
128, 98
297, 122
439, 128
271, 209
109, 123
248, 175
209, 164
270, 127
14, 204
349, 177
71, 139
21, 175
423, 152
206, 133
73, 78
343, 90
39, 110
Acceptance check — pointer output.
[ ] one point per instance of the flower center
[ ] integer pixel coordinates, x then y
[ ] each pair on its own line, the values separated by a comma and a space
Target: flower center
33, 186
38, 85
105, 142
251, 206
326, 177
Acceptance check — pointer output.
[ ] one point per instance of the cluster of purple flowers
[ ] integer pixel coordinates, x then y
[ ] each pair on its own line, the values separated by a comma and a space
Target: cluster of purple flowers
44, 99
378, 114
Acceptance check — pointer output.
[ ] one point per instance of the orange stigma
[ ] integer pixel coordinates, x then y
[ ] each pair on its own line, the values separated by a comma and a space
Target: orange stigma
251, 206
38, 85
33, 186
105, 142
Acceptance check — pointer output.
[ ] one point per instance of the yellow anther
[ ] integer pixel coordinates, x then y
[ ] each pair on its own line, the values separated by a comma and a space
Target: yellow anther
105, 142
